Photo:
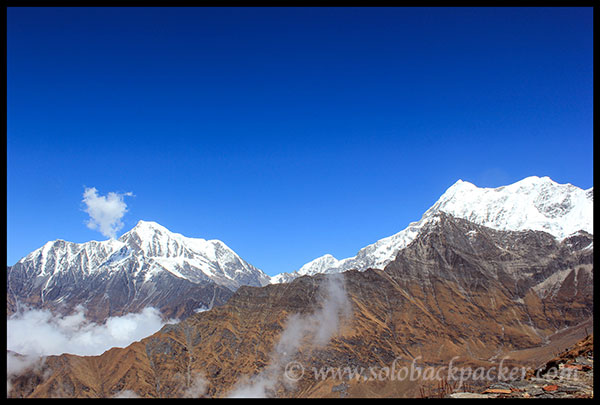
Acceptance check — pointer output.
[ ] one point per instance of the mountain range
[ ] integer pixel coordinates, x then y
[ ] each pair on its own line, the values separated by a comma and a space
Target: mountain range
458, 292
486, 274
152, 266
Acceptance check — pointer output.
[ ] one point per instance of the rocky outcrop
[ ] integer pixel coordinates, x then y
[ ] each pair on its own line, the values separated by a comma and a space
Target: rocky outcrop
569, 375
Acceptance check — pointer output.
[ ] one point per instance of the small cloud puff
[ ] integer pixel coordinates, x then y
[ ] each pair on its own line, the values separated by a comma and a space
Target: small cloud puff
105, 211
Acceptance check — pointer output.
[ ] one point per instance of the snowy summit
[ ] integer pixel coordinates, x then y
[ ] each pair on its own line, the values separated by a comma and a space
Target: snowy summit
534, 203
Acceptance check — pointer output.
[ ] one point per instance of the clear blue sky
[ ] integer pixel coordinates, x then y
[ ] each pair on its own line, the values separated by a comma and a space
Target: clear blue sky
286, 133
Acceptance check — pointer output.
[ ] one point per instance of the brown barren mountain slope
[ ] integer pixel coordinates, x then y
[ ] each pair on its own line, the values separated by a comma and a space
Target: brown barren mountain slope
459, 293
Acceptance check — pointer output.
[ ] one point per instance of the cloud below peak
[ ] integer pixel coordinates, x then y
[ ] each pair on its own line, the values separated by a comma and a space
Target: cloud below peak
39, 332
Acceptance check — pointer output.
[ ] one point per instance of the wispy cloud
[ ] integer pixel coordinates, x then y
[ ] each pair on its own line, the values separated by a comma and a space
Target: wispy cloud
196, 387
126, 394
105, 211
314, 330
17, 364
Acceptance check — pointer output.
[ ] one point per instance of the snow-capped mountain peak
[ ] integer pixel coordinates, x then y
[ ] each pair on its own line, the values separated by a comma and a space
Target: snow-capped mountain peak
534, 203
148, 228
146, 251
154, 240
318, 265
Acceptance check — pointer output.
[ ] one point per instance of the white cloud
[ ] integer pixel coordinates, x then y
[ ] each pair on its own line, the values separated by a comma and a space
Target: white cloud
196, 387
105, 211
40, 333
126, 394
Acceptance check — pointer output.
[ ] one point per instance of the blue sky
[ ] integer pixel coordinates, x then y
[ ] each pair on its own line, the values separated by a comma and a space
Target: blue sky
286, 133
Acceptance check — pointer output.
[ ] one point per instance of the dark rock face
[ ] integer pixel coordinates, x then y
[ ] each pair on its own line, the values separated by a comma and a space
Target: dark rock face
105, 295
517, 266
458, 289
